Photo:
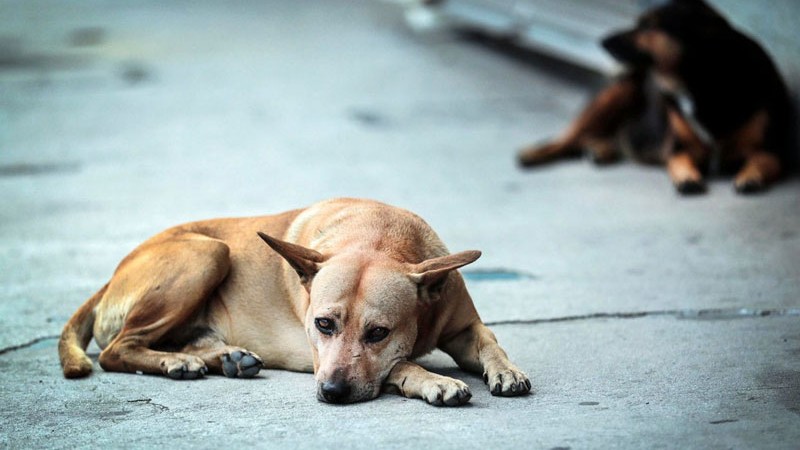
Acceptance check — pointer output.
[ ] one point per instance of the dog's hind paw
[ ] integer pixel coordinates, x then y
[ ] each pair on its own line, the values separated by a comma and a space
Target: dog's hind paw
508, 382
241, 364
187, 368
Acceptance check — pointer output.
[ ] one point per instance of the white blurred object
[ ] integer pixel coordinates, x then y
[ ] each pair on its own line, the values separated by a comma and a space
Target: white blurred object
566, 29
421, 18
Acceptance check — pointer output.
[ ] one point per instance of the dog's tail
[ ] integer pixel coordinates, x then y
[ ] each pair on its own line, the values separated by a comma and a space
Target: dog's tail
76, 337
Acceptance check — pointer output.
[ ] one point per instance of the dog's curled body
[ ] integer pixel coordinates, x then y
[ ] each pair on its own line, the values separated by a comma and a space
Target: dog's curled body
354, 290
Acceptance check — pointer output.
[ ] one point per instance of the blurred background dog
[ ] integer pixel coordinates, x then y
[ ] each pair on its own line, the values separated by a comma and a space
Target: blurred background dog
696, 95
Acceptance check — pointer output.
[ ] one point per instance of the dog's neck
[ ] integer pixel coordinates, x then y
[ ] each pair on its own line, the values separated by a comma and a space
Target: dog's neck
669, 84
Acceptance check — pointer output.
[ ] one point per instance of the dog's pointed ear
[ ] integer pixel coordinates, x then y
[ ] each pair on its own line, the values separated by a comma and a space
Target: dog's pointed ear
304, 261
432, 273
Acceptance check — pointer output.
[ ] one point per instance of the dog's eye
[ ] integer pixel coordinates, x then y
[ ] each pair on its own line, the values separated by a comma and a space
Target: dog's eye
377, 334
325, 326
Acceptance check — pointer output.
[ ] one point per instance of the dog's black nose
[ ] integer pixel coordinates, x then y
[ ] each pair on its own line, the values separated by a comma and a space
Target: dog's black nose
335, 391
623, 48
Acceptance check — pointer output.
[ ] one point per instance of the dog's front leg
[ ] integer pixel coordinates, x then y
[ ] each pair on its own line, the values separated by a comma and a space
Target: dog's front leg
687, 153
476, 350
412, 381
760, 170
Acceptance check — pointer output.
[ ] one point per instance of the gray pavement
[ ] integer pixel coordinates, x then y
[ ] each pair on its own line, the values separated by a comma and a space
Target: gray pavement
644, 319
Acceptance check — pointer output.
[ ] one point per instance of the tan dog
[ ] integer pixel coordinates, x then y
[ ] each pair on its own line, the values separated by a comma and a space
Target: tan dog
367, 285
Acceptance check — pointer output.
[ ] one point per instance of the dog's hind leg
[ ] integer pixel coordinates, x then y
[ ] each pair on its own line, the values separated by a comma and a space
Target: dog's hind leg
476, 350
223, 359
156, 292
596, 127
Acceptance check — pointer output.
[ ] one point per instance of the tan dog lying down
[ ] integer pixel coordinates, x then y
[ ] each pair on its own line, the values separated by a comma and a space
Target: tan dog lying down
367, 285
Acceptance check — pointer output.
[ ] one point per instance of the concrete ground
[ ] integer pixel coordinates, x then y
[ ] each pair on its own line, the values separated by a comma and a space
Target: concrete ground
645, 320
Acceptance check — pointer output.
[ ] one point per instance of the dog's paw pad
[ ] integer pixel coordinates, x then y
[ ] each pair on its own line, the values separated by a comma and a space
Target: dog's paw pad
507, 383
446, 392
241, 364
690, 187
189, 369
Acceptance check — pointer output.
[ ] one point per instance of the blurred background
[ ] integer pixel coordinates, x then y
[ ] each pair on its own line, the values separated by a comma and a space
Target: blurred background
570, 29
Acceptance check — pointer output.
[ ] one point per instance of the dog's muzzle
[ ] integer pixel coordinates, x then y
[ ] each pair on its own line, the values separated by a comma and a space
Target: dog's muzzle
334, 392
621, 46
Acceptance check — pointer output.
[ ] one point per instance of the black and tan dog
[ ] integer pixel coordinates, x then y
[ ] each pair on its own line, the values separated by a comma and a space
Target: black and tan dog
721, 101
354, 290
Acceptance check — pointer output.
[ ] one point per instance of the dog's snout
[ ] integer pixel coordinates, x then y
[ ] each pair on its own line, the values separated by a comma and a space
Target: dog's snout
614, 41
335, 391
622, 47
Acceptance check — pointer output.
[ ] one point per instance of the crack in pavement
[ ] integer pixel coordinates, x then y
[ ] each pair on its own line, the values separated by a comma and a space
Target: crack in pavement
30, 343
689, 314
149, 401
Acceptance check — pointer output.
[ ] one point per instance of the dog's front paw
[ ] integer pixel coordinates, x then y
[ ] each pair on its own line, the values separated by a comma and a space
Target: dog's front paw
536, 155
241, 364
183, 367
507, 382
690, 187
445, 391
751, 185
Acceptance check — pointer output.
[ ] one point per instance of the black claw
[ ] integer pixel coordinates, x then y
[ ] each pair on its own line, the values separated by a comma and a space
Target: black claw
528, 384
485, 378
464, 396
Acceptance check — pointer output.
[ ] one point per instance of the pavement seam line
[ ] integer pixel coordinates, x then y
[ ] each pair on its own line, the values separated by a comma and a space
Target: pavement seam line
149, 401
30, 343
698, 314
